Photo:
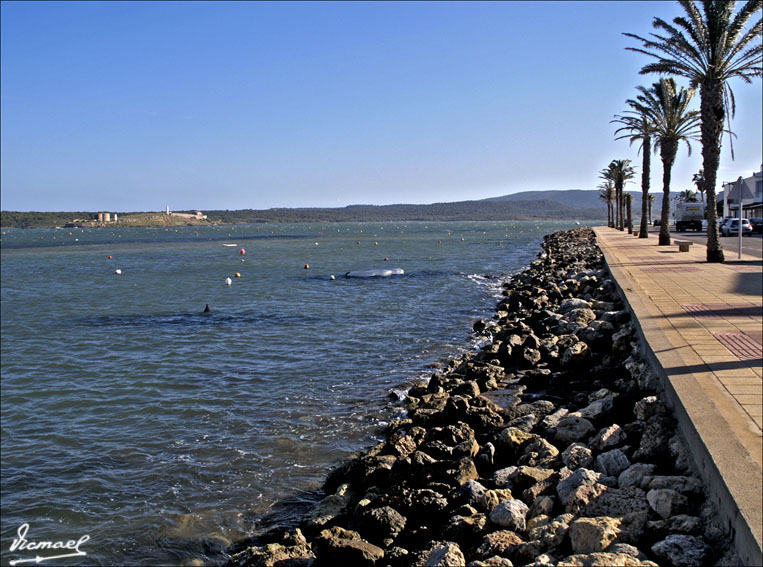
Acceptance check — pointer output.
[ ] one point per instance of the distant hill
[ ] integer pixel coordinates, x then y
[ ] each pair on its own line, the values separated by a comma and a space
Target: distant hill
457, 211
572, 204
490, 210
579, 198
575, 198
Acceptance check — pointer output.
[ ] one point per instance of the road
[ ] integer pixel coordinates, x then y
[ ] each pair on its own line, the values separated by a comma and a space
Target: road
752, 244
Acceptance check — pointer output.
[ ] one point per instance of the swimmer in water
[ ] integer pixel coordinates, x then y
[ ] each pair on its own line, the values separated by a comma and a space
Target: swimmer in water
206, 308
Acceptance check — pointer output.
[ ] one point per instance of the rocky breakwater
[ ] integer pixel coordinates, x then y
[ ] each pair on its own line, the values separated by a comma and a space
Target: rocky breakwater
550, 446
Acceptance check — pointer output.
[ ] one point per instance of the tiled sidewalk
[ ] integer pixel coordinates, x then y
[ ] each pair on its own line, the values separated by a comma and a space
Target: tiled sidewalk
702, 325
716, 308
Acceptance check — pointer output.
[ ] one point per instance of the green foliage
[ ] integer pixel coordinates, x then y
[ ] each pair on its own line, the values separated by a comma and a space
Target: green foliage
33, 219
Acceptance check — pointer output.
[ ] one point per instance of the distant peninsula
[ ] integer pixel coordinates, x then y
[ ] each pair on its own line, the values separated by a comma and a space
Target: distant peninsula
541, 205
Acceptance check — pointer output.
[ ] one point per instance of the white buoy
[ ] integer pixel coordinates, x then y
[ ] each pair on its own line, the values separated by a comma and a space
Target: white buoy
118, 272
228, 281
331, 277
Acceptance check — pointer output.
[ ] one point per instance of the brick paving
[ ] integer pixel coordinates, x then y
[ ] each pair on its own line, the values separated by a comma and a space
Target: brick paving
741, 345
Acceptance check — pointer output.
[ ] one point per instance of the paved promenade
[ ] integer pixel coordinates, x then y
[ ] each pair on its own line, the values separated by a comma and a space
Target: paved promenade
702, 325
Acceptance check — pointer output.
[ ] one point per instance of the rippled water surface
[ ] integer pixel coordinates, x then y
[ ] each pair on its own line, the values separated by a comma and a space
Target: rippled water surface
131, 416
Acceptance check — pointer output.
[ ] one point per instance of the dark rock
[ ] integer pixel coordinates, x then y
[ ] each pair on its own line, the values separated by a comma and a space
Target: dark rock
337, 546
571, 429
380, 525
577, 456
538, 453
653, 446
498, 543
666, 502
682, 550
510, 514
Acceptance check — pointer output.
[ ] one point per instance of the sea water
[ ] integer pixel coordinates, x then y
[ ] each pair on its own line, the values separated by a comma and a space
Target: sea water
131, 416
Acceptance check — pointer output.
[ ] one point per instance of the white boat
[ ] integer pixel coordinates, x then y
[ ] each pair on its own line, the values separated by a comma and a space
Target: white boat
374, 273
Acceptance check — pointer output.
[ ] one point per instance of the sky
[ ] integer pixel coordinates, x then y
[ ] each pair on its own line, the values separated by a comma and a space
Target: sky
134, 106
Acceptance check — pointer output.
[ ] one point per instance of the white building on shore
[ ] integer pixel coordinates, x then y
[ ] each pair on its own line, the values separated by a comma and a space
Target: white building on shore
751, 191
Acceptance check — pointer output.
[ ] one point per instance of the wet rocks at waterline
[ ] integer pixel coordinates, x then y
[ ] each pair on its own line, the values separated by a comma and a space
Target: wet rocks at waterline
550, 446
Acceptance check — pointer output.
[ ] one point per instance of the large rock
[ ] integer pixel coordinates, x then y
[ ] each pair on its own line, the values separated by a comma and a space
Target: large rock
498, 543
325, 512
688, 485
577, 456
666, 502
654, 441
337, 546
465, 529
612, 463
580, 477
546, 536
604, 560
635, 474
609, 437
575, 355
538, 452
381, 525
648, 407
571, 429
445, 554
553, 419
510, 514
511, 439
589, 535
595, 409
463, 471
682, 550
574, 303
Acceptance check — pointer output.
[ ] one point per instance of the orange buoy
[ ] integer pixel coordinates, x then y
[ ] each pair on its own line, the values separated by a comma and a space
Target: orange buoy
238, 275
307, 266
242, 251
386, 259
109, 257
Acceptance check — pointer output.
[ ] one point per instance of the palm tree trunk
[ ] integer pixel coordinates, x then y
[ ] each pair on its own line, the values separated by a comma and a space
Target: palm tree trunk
712, 113
645, 171
628, 212
668, 151
620, 208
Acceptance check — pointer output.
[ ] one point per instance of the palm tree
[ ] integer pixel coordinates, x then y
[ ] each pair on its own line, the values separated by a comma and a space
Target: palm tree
619, 172
638, 128
699, 180
709, 49
687, 195
651, 198
668, 108
608, 196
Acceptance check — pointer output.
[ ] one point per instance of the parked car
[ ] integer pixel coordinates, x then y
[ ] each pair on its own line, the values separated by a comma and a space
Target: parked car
732, 227
757, 224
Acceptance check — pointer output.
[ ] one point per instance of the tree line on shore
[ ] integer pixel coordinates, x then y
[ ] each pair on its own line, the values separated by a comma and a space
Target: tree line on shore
709, 48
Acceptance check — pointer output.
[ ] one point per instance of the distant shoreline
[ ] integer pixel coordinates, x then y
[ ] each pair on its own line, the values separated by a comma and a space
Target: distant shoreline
529, 210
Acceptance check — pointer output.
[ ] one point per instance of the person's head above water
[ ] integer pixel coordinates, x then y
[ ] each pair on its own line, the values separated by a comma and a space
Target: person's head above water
206, 308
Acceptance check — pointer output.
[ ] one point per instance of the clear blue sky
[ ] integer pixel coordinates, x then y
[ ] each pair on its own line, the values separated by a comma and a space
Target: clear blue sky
211, 105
